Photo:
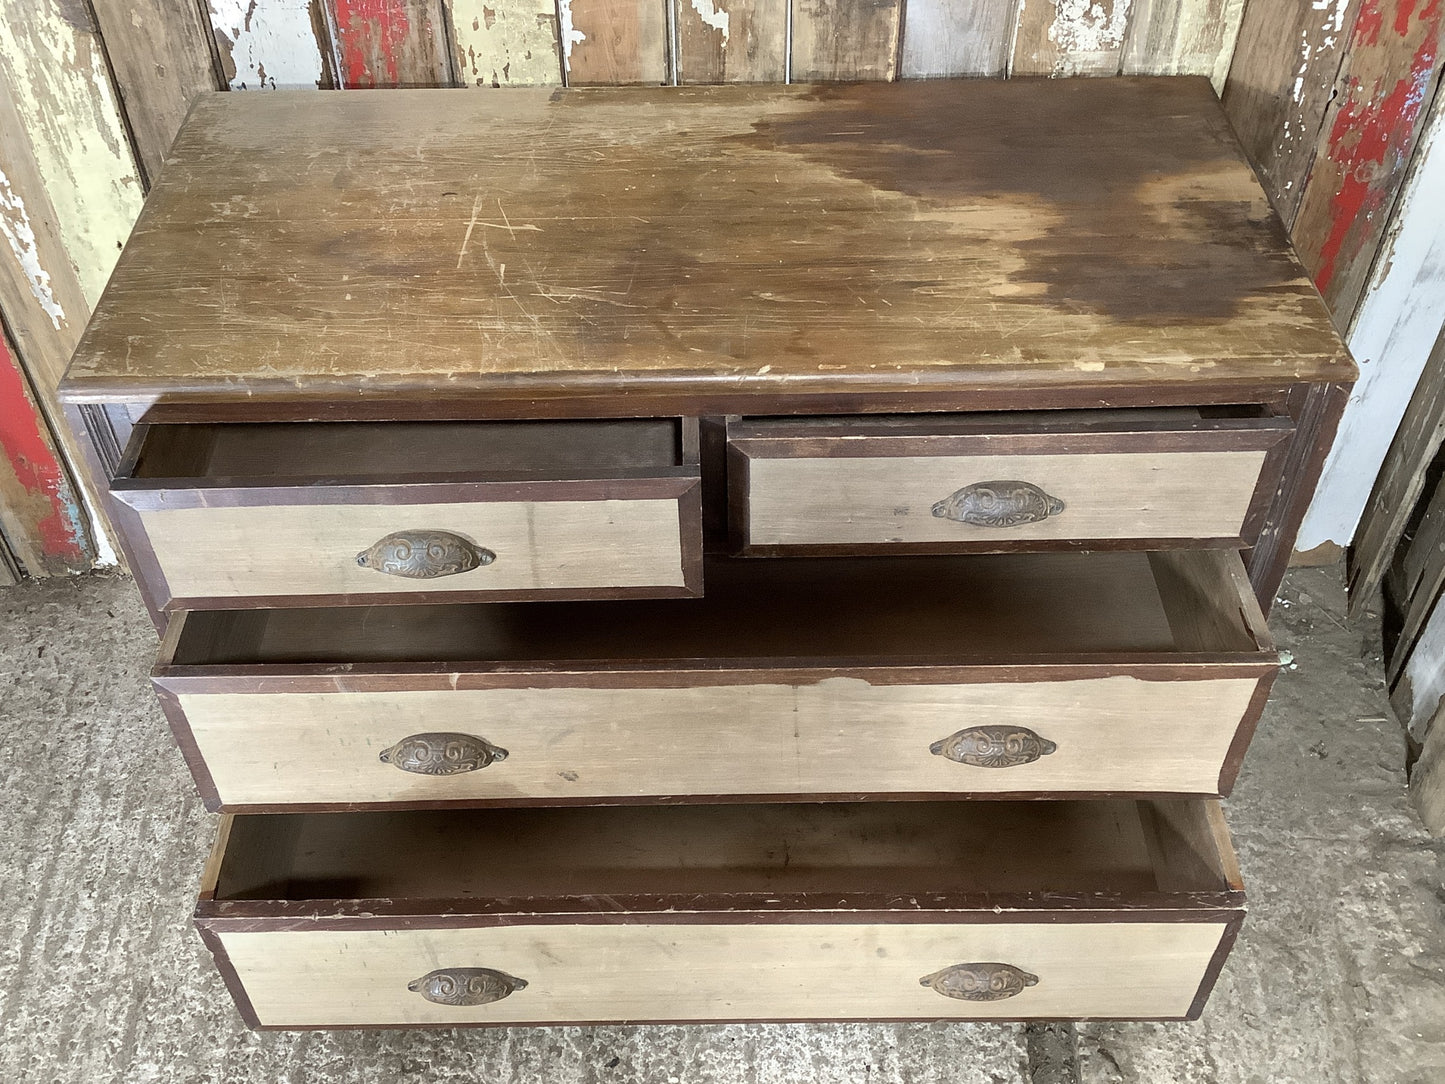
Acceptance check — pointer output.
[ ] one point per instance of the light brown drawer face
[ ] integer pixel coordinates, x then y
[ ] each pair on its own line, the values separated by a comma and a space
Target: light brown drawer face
938, 483
350, 513
1145, 677
558, 916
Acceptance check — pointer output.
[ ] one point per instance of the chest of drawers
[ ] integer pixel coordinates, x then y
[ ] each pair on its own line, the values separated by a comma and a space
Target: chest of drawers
712, 554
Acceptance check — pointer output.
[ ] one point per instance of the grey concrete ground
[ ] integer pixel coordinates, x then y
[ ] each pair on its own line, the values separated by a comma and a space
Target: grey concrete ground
1339, 975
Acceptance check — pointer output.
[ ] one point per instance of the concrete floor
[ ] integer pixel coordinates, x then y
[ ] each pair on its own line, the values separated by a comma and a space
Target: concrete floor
1339, 975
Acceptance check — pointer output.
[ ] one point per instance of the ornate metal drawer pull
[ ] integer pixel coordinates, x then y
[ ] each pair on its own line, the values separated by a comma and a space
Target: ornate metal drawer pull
994, 746
441, 753
1006, 503
466, 986
424, 555
980, 982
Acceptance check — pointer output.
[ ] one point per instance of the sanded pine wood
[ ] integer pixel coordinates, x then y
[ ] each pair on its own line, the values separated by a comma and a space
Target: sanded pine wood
845, 40
1369, 131
943, 249
273, 44
160, 55
1066, 37
957, 37
1182, 37
608, 42
505, 43
390, 43
1280, 83
732, 41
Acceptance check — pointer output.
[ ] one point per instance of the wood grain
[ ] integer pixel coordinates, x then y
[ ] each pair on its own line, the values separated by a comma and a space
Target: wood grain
732, 41
957, 37
505, 43
607, 42
273, 44
390, 43
1182, 37
1070, 37
845, 40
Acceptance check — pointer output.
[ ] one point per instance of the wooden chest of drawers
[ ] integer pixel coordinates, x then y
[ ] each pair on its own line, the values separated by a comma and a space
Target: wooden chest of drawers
630, 555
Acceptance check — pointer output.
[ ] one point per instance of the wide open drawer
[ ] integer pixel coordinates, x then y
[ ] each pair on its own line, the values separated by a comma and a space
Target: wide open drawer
876, 911
933, 483
1019, 674
349, 513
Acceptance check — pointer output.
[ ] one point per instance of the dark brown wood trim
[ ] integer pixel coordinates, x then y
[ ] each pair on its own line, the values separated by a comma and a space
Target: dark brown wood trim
739, 512
186, 742
689, 441
1234, 758
691, 588
1271, 474
982, 545
228, 975
690, 535
1216, 965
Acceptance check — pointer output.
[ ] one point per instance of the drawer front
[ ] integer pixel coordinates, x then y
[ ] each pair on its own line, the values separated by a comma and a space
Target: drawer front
680, 972
841, 486
840, 735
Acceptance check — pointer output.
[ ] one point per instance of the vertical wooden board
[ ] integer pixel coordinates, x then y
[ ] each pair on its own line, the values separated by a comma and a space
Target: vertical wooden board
608, 42
1182, 37
506, 43
41, 518
390, 43
272, 44
1420, 692
845, 40
1279, 86
161, 55
1070, 37
957, 37
732, 41
1368, 135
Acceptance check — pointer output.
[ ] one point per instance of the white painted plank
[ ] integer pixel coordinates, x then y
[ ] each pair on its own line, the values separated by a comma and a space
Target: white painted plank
271, 44
1424, 676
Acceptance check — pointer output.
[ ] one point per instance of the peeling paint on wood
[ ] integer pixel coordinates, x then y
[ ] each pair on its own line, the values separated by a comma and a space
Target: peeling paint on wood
390, 43
1183, 37
1070, 37
732, 41
271, 44
957, 37
504, 43
20, 234
614, 41
847, 40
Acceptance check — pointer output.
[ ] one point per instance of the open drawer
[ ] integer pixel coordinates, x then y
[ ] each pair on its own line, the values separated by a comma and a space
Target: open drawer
1018, 675
906, 911
345, 513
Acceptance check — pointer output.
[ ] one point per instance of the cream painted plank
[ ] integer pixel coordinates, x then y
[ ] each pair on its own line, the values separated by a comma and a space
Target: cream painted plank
1070, 37
723, 972
841, 735
1183, 37
506, 43
302, 550
845, 40
614, 41
1106, 495
732, 41
957, 37
273, 44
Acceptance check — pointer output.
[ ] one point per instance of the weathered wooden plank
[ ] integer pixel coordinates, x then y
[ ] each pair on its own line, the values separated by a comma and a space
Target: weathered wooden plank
732, 41
613, 41
390, 43
845, 40
1420, 579
269, 44
160, 54
957, 37
1183, 37
1393, 333
1279, 87
1419, 694
1070, 37
506, 43
1368, 134
1401, 482
1427, 780
42, 521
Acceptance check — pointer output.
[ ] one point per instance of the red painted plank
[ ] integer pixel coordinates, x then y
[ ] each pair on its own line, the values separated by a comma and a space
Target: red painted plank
390, 43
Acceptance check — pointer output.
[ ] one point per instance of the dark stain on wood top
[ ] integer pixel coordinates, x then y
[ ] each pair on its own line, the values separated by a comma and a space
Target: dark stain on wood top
960, 235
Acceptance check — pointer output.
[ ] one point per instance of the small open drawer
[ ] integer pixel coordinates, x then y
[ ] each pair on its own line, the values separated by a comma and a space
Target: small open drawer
885, 911
1018, 675
937, 483
296, 514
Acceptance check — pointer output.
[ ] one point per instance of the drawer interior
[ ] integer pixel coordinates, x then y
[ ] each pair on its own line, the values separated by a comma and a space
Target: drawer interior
341, 450
902, 849
896, 610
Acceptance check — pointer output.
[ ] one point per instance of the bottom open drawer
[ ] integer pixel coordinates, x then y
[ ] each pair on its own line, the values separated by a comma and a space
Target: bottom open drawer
908, 911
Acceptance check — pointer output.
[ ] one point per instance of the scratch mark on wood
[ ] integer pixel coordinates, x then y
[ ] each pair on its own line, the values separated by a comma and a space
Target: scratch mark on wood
15, 224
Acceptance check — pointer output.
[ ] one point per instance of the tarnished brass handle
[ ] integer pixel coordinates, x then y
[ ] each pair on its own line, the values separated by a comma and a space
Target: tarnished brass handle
441, 753
466, 986
980, 982
993, 746
424, 555
1005, 503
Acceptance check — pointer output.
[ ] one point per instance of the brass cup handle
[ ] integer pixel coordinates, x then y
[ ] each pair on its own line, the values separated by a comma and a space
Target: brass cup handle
993, 746
424, 555
1003, 503
442, 753
466, 985
980, 981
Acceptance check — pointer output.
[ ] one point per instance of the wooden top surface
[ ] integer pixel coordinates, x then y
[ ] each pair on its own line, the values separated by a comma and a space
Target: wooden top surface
869, 237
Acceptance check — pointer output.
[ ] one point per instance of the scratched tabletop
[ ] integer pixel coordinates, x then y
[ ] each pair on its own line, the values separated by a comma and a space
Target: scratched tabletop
956, 234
